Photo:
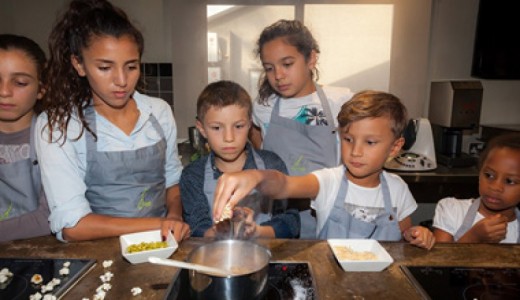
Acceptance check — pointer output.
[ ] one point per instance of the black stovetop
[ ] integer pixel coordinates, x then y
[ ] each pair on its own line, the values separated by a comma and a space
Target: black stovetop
286, 281
20, 286
465, 282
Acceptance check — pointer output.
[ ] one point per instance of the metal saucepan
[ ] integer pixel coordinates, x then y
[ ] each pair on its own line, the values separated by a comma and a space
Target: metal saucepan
247, 261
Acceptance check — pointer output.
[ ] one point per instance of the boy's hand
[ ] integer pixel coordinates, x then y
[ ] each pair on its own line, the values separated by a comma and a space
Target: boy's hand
233, 187
491, 229
420, 236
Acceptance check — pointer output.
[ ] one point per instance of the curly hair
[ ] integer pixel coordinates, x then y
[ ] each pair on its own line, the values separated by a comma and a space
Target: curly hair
66, 91
294, 33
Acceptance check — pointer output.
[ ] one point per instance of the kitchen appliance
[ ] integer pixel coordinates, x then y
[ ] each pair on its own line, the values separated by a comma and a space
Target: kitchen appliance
20, 286
285, 281
418, 153
441, 282
454, 108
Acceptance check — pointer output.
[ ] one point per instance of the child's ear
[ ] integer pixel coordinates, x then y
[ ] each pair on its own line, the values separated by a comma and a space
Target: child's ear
200, 127
396, 147
78, 66
41, 93
313, 59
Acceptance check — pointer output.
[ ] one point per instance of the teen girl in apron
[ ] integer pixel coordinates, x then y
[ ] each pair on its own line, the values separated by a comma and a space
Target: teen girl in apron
126, 183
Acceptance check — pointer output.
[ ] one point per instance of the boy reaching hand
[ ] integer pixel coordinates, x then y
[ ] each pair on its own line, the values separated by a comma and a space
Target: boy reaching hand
357, 199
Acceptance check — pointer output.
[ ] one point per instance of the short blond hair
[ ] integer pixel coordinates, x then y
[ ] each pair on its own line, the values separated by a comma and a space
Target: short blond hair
374, 104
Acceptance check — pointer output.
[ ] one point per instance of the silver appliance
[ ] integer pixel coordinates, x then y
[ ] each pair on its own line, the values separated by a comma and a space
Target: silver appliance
418, 153
454, 109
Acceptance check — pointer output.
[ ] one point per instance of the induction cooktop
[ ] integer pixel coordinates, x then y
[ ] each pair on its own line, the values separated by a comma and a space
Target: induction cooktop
19, 286
286, 281
464, 282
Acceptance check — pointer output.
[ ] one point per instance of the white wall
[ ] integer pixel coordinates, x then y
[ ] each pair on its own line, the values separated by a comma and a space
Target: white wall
434, 42
451, 48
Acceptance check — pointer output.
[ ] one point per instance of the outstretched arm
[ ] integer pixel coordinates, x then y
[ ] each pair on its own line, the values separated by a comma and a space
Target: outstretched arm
233, 187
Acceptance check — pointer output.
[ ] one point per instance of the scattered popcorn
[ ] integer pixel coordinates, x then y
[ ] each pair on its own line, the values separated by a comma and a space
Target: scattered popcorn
106, 277
101, 291
136, 291
5, 275
85, 298
55, 281
36, 296
107, 263
36, 279
47, 288
49, 297
100, 295
66, 264
64, 271
104, 287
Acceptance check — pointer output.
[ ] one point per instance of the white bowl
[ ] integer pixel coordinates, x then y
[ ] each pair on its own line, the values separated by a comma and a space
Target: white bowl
146, 236
383, 259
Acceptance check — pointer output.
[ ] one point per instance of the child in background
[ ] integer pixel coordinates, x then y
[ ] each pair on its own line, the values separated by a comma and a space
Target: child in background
23, 206
354, 200
294, 116
224, 118
108, 154
494, 217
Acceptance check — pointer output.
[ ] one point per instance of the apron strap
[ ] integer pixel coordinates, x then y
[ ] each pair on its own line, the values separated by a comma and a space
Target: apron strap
35, 171
467, 223
326, 106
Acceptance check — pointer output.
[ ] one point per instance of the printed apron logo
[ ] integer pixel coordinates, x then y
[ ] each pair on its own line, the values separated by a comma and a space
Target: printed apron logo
143, 203
6, 213
297, 166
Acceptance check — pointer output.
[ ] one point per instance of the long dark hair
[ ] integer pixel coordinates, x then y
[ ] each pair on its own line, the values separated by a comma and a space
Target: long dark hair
32, 50
295, 34
67, 92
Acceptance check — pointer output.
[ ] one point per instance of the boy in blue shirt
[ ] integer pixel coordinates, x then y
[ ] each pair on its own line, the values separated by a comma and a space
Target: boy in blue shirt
224, 111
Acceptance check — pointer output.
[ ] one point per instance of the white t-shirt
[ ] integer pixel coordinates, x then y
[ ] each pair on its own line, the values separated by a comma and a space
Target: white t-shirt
306, 109
450, 213
361, 202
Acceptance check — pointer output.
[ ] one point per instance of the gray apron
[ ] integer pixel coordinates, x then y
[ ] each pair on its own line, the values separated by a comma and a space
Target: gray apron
126, 183
470, 217
20, 184
341, 224
303, 148
254, 200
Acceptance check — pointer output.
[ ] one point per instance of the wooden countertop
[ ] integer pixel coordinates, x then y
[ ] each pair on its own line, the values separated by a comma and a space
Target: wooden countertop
332, 282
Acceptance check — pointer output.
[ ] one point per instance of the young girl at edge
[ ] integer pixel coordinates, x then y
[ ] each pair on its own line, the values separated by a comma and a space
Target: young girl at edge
301, 128
494, 217
108, 153
23, 206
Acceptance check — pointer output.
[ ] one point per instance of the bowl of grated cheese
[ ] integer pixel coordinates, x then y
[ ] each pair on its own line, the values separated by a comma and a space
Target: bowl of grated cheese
360, 255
